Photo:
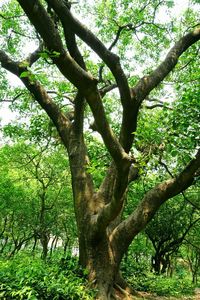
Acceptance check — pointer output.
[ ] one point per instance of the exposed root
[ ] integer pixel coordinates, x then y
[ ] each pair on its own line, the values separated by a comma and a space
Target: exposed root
122, 294
114, 293
119, 290
122, 283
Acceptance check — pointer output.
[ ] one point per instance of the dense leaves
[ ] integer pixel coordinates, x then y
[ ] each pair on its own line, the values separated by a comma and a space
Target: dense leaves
30, 278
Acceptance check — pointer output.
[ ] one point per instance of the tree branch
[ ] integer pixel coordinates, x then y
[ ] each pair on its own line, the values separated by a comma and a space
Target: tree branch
151, 202
189, 201
14, 99
183, 194
73, 72
157, 105
34, 56
112, 61
111, 211
59, 119
45, 26
79, 102
71, 44
103, 91
148, 83
11, 17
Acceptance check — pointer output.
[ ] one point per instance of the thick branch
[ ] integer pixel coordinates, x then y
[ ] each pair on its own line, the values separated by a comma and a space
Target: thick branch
151, 202
112, 210
72, 71
112, 61
148, 83
122, 160
79, 102
71, 43
42, 97
91, 40
45, 26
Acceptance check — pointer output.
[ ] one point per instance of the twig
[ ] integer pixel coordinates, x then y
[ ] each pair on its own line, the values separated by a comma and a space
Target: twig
107, 89
12, 100
158, 105
11, 17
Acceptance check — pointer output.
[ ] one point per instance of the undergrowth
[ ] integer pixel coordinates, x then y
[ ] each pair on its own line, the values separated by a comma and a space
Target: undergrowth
30, 278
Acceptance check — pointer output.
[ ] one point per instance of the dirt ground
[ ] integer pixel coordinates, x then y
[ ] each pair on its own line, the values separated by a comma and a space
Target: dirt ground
147, 296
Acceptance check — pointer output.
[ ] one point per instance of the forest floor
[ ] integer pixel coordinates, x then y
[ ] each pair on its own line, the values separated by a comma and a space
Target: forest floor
148, 296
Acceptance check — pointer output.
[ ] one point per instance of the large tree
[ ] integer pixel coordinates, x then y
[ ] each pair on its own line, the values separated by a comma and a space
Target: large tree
104, 235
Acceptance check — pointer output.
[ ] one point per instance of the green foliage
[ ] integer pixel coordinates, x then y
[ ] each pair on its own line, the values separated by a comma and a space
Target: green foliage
26, 277
34, 196
170, 225
136, 269
162, 285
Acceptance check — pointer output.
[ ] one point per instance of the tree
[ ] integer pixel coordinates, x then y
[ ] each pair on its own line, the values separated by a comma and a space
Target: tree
167, 232
193, 254
33, 197
104, 235
14, 201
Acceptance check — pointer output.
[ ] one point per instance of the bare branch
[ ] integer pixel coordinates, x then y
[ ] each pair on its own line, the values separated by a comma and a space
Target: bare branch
192, 244
21, 34
103, 91
189, 201
14, 99
166, 168
71, 100
190, 61
127, 26
158, 105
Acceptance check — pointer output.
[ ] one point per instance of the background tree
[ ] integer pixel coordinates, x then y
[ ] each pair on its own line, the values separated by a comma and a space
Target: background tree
193, 254
34, 206
83, 83
167, 232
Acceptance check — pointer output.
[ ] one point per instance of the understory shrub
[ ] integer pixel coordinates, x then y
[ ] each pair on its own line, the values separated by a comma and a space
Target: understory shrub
162, 285
30, 278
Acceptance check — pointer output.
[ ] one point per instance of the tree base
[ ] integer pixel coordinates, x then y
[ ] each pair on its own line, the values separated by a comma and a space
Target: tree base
119, 291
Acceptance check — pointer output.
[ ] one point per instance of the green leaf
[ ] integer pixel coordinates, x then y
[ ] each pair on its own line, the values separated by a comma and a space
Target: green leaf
24, 74
174, 153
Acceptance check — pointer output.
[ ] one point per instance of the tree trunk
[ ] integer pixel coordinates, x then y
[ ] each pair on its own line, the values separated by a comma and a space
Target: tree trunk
165, 264
156, 263
44, 239
98, 257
